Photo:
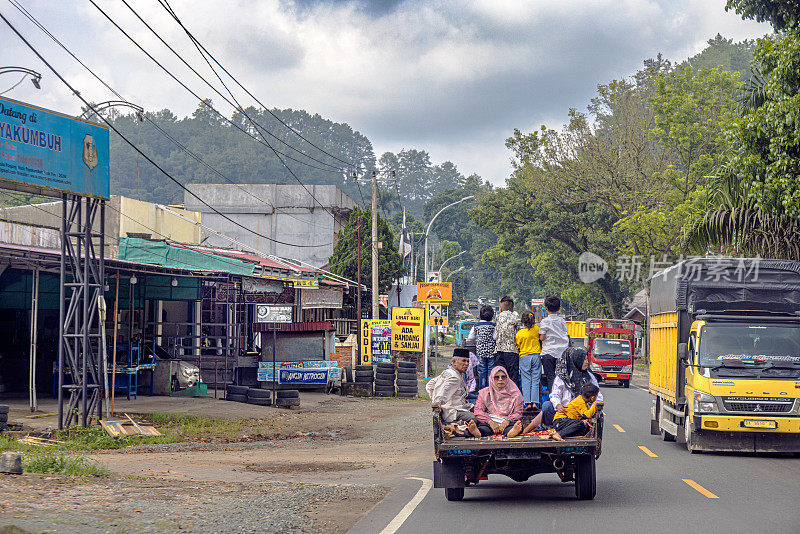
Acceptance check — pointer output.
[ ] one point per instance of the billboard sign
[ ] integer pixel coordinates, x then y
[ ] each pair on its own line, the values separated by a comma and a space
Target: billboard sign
273, 314
407, 329
434, 291
45, 152
303, 376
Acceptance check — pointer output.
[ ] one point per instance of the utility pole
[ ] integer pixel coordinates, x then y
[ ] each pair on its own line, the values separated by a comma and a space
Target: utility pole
375, 290
358, 303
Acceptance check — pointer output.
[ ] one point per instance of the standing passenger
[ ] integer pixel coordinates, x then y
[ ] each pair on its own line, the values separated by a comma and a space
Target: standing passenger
530, 364
553, 334
482, 334
506, 336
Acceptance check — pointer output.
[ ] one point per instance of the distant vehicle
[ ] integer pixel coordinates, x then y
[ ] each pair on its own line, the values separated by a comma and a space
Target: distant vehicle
462, 330
576, 330
184, 374
611, 347
725, 355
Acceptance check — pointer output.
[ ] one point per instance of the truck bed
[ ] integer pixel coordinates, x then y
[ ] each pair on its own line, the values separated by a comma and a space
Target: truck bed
520, 442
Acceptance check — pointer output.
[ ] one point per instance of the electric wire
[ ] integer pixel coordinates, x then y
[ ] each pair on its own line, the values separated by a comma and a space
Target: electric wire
16, 84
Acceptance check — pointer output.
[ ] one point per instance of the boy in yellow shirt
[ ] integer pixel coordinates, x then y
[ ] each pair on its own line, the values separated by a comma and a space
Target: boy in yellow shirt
576, 419
530, 364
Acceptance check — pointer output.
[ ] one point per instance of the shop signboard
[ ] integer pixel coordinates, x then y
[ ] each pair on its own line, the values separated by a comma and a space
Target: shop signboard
273, 314
303, 376
376, 341
434, 292
46, 152
321, 298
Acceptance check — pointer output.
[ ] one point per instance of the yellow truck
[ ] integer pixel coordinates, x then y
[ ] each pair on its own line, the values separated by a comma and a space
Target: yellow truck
724, 346
576, 330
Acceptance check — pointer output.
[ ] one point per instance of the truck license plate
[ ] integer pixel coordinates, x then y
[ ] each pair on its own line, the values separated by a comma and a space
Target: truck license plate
754, 423
611, 375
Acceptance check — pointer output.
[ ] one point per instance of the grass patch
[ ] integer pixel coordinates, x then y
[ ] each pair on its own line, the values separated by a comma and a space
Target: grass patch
58, 463
186, 426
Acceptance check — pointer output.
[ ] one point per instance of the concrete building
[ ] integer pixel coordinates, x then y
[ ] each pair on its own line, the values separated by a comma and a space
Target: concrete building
39, 225
282, 213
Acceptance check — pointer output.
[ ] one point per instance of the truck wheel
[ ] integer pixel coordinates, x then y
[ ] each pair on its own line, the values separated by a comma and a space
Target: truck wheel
626, 383
687, 433
585, 478
454, 494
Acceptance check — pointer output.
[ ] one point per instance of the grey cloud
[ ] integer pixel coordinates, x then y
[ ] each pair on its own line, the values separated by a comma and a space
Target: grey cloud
265, 51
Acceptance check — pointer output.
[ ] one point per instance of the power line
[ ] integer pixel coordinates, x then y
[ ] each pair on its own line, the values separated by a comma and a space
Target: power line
145, 116
110, 125
172, 13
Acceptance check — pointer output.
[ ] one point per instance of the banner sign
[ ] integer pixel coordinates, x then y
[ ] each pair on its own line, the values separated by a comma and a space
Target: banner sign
321, 298
266, 371
308, 283
303, 376
434, 291
373, 337
44, 151
273, 314
407, 328
257, 285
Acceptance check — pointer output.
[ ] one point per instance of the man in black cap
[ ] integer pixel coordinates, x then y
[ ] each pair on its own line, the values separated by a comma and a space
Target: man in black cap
449, 391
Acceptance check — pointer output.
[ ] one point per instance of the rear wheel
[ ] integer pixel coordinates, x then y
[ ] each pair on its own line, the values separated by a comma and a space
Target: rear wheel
454, 494
585, 478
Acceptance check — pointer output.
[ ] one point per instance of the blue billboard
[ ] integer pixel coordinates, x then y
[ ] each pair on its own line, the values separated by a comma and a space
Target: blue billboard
46, 152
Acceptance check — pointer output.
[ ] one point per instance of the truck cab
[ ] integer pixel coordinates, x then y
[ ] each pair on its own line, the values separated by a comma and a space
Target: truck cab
610, 348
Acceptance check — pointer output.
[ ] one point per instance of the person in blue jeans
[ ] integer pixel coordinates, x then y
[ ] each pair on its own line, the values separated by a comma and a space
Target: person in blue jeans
530, 363
482, 336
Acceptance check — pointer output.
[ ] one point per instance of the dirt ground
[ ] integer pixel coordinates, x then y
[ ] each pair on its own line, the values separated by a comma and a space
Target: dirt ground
319, 468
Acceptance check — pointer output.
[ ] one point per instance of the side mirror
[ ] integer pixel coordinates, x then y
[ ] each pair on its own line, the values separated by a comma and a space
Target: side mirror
683, 352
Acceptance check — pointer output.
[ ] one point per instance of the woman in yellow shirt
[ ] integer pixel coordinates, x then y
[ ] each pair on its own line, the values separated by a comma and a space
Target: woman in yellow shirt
530, 363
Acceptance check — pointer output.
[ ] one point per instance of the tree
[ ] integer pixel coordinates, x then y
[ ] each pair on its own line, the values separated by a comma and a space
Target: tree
344, 260
722, 52
782, 14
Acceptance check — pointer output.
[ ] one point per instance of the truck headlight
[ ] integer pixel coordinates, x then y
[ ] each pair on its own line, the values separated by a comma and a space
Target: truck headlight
626, 369
595, 367
704, 403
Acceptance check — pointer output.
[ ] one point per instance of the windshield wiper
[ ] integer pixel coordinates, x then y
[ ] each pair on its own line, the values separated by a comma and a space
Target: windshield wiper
731, 364
782, 365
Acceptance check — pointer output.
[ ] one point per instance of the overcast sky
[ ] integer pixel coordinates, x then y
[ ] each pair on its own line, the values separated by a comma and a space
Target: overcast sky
454, 78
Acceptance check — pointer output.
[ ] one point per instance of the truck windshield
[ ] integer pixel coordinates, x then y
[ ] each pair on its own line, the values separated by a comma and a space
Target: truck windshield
749, 345
609, 348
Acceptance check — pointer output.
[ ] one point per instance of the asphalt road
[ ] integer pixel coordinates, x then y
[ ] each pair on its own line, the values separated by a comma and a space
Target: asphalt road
637, 490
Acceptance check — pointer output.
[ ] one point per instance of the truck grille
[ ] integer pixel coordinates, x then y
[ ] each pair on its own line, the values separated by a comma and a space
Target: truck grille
758, 405
611, 368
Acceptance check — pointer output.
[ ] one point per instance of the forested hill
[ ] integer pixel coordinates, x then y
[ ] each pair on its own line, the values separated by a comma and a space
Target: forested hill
222, 153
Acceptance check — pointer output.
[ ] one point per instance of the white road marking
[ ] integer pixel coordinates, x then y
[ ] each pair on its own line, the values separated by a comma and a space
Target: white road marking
401, 517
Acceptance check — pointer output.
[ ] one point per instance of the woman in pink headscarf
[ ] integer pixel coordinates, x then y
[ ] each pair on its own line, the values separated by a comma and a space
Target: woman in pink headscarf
499, 407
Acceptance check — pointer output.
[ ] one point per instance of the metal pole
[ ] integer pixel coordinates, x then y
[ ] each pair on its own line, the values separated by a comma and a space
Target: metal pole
87, 237
358, 297
34, 330
114, 349
101, 286
274, 369
62, 296
375, 289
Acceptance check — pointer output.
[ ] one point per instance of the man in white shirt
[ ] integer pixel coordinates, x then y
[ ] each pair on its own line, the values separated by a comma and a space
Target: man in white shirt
449, 391
554, 338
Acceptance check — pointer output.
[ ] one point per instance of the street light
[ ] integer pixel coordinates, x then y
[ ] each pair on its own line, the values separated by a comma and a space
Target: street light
428, 229
450, 258
35, 76
451, 273
97, 108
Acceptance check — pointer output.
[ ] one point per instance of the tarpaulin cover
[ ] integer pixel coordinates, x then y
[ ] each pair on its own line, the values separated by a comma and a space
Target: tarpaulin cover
165, 255
727, 285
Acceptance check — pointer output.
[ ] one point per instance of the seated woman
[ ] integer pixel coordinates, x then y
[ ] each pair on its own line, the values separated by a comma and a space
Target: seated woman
571, 375
499, 407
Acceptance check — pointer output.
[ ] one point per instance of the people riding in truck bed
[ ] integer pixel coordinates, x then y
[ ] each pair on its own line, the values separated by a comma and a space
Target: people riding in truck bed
553, 334
571, 376
499, 407
482, 335
530, 364
575, 420
449, 391
507, 354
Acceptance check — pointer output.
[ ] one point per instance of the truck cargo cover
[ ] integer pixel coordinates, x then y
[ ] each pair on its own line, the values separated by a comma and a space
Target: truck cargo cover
727, 285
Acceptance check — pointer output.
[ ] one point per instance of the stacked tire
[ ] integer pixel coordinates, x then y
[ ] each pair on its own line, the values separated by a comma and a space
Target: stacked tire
363, 374
384, 380
236, 393
286, 398
407, 385
259, 397
3, 417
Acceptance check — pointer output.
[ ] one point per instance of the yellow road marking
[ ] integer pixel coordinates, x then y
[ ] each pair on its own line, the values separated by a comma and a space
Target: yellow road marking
648, 452
700, 488
619, 428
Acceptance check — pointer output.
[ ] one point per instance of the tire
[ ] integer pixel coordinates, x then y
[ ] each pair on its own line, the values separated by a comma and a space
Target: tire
348, 373
401, 382
260, 402
626, 383
236, 390
384, 383
384, 376
687, 434
236, 398
3, 408
364, 374
255, 393
364, 367
384, 393
287, 403
585, 478
666, 436
407, 365
384, 388
3, 417
287, 394
363, 380
403, 395
407, 376
454, 494
385, 367
406, 389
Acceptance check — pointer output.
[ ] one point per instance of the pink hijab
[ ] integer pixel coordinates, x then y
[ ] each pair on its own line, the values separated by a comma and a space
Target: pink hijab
503, 401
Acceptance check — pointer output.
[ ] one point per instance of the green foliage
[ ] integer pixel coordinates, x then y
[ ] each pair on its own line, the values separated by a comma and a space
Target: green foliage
344, 260
782, 14
58, 463
721, 52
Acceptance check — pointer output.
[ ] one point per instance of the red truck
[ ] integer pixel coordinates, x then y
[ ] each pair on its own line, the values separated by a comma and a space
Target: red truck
611, 348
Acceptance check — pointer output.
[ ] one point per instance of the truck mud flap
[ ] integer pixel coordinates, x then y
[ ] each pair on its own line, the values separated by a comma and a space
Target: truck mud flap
449, 473
746, 442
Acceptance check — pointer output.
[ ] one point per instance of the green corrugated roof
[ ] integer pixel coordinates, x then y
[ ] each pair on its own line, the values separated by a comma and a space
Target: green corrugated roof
165, 255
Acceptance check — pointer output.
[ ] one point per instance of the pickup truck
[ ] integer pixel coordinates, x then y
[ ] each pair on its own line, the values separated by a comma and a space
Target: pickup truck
463, 462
